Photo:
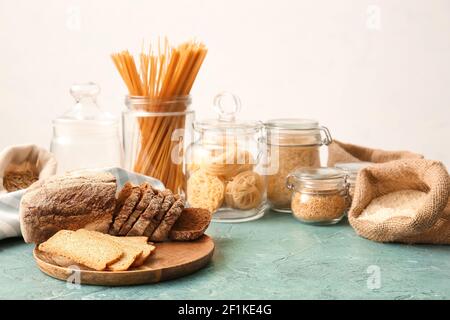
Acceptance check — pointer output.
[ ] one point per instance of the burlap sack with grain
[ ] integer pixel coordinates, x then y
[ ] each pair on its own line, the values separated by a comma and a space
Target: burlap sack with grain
430, 225
345, 152
26, 158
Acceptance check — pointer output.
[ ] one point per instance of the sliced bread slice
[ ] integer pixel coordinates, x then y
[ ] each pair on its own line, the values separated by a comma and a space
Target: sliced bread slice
191, 224
61, 261
122, 196
147, 216
131, 251
147, 249
169, 200
161, 232
147, 195
84, 248
130, 202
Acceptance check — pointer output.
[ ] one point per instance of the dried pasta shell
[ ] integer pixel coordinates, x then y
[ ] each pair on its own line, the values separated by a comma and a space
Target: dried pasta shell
245, 191
205, 191
229, 164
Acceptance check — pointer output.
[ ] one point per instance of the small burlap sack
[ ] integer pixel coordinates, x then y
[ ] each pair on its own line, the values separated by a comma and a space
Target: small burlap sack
26, 158
430, 225
345, 152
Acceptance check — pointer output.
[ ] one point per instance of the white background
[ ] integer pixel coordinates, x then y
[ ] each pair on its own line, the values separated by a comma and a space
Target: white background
375, 72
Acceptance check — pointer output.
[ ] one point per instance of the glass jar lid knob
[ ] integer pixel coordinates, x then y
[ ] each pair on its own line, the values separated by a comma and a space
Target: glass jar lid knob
227, 105
84, 90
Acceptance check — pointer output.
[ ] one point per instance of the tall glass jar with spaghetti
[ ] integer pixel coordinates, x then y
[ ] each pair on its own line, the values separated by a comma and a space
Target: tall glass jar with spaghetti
158, 120
156, 133
291, 144
224, 165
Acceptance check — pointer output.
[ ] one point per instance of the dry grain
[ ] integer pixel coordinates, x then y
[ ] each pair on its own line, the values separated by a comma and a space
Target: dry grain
318, 207
404, 203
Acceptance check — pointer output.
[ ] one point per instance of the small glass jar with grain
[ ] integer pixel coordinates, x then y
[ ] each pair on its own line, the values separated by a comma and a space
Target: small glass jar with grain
291, 144
319, 195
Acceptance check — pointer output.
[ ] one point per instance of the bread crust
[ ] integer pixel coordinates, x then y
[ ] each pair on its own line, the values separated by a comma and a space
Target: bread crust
191, 224
71, 201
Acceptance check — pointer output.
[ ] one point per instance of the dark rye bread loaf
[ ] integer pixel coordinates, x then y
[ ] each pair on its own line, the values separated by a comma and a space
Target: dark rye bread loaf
191, 224
70, 201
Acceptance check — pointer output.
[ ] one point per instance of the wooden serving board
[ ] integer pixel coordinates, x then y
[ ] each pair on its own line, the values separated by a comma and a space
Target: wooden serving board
169, 261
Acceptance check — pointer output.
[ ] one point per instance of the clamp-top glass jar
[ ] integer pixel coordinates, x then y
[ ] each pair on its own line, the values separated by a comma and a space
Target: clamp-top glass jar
291, 144
223, 165
320, 196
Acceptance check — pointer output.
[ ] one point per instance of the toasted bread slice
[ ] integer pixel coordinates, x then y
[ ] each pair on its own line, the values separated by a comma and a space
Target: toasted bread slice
122, 214
161, 233
147, 249
147, 216
191, 224
84, 248
147, 195
61, 261
169, 200
131, 250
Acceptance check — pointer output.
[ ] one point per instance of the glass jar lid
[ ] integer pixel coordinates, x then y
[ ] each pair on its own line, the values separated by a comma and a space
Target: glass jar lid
296, 131
227, 105
86, 107
292, 124
317, 179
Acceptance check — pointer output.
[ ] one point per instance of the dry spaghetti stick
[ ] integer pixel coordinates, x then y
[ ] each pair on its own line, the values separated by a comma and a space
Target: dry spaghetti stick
194, 72
148, 153
144, 72
168, 133
118, 61
152, 89
164, 150
169, 74
171, 70
184, 73
174, 171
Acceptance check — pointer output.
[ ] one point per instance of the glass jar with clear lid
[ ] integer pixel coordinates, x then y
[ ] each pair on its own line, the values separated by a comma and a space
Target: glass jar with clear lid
291, 144
224, 165
319, 195
85, 136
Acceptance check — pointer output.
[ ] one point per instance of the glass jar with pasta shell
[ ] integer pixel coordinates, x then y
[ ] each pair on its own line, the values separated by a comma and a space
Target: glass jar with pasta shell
291, 144
223, 165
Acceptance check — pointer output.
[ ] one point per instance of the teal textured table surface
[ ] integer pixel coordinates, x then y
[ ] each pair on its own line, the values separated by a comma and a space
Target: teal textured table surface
275, 257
